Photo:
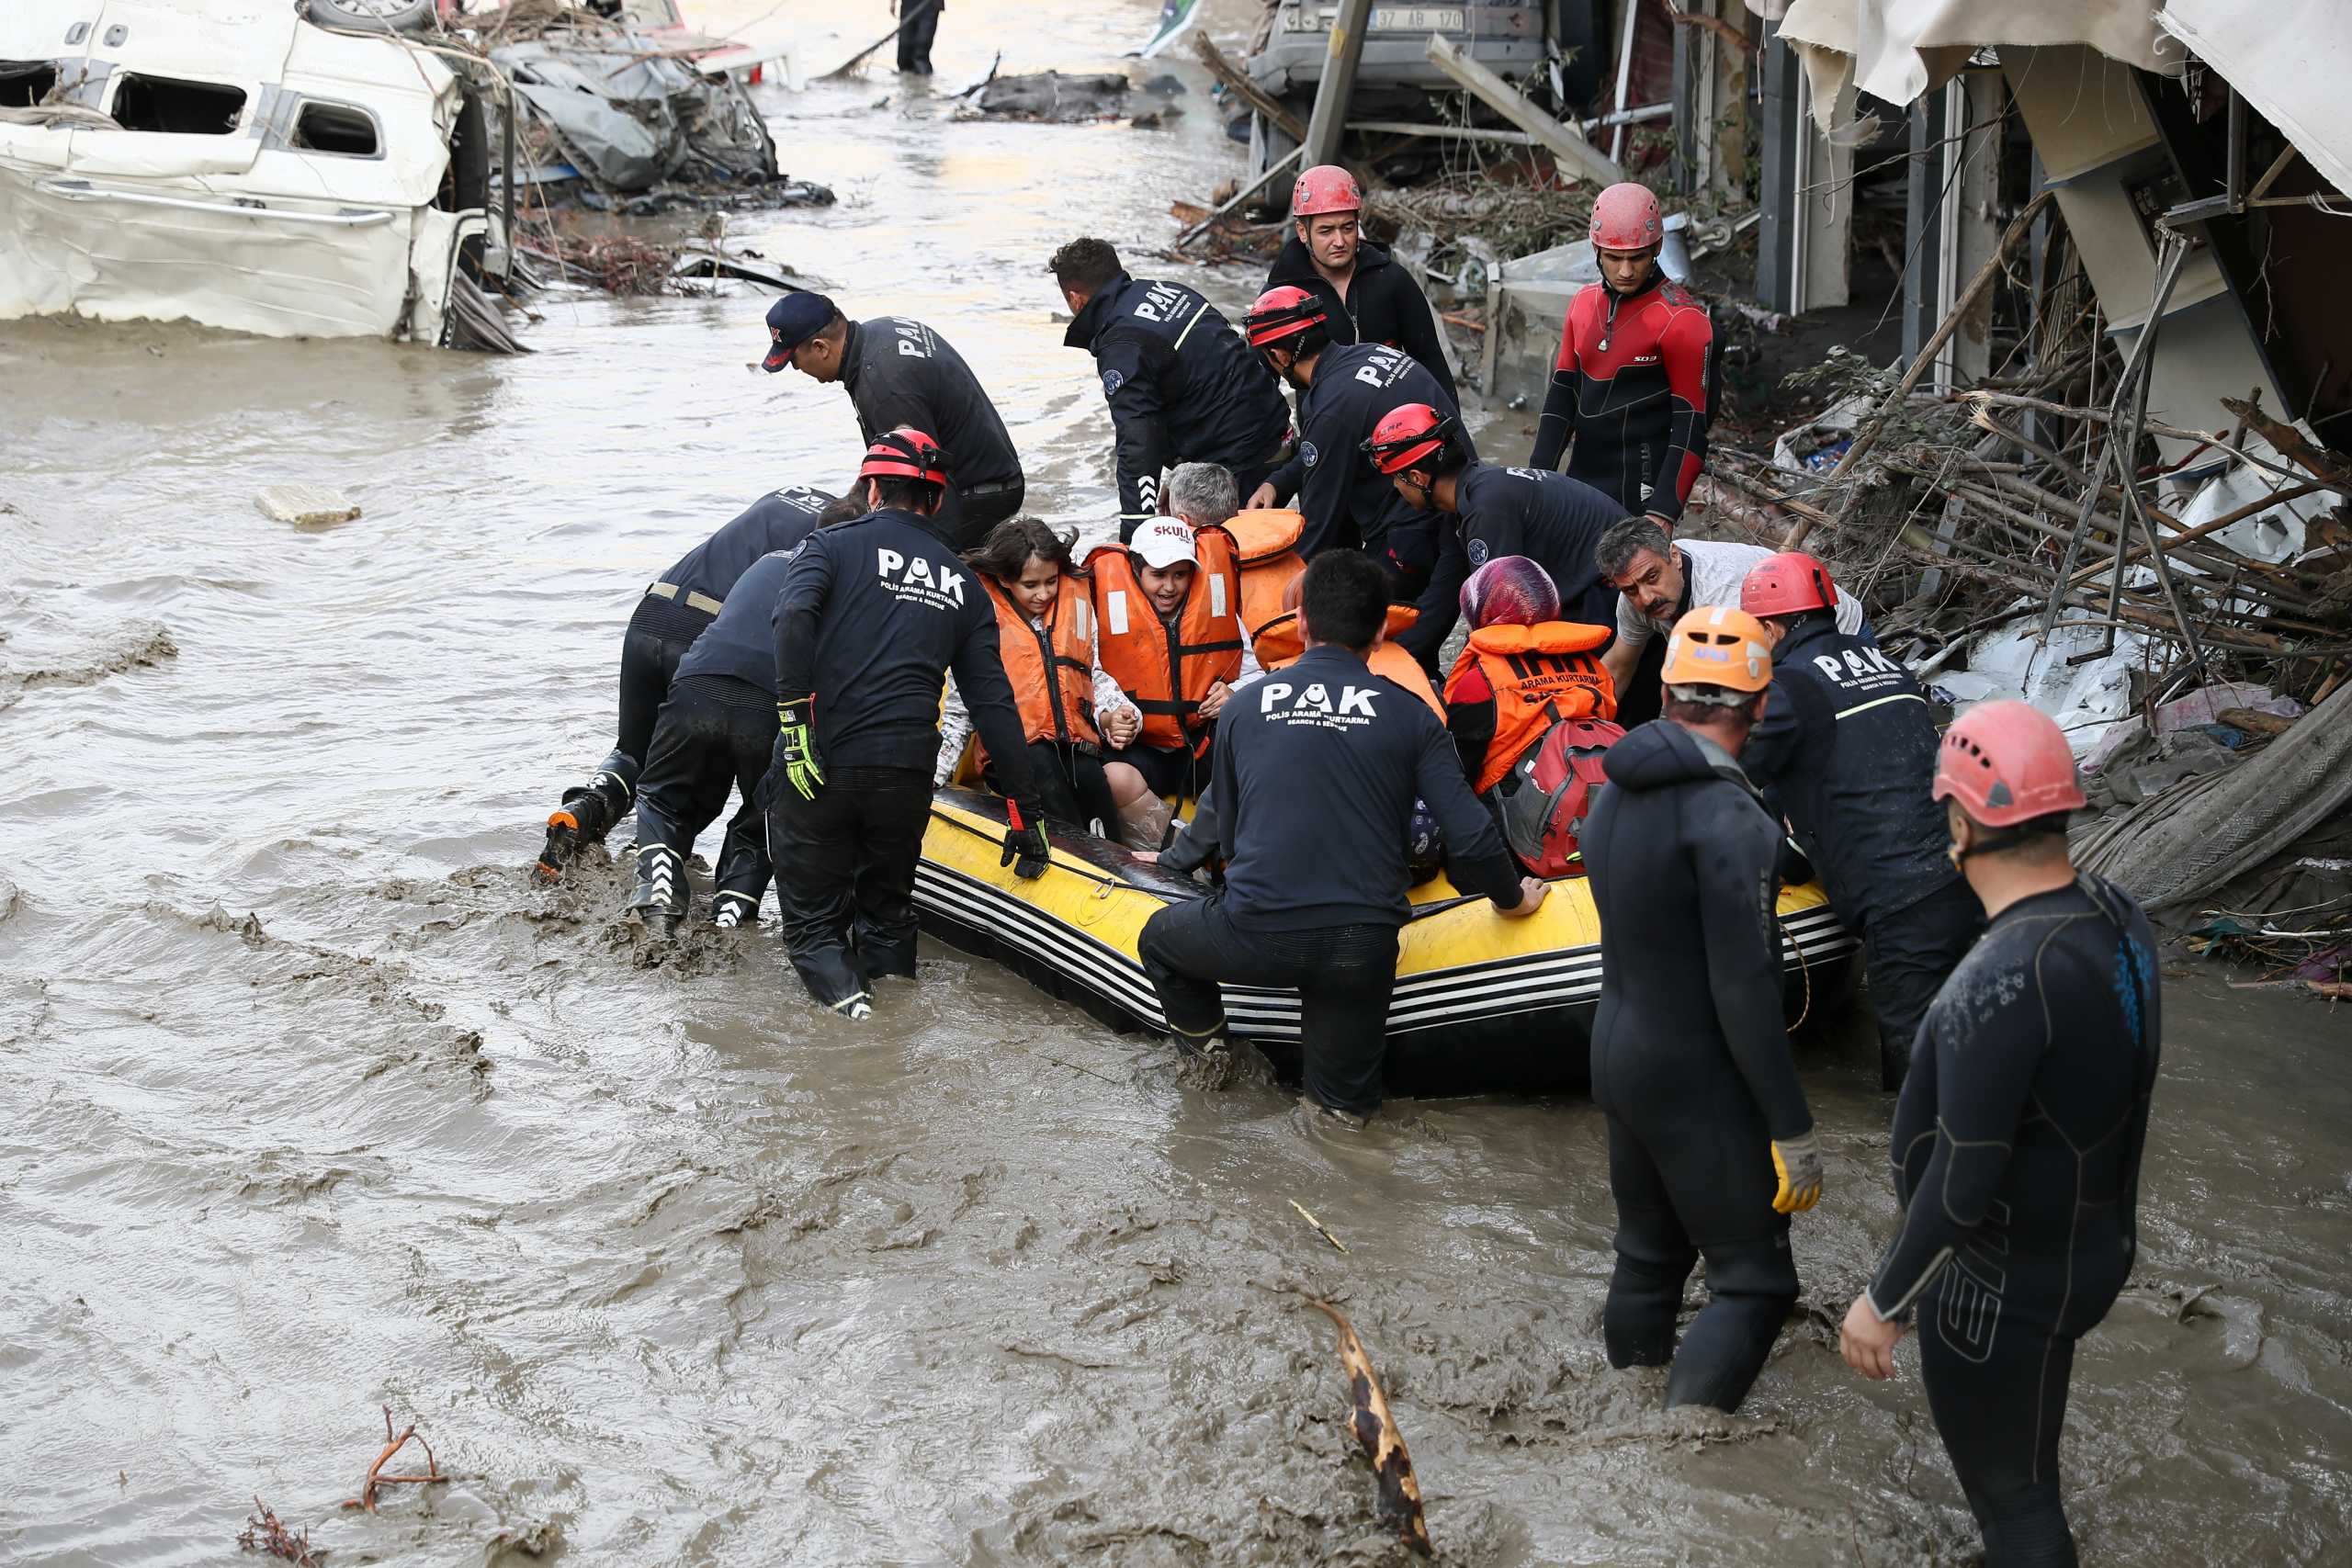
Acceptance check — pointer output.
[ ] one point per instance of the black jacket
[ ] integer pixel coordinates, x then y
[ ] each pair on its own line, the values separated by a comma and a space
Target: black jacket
1548, 518
873, 614
900, 372
1682, 855
1315, 773
1182, 385
775, 521
1384, 305
1848, 748
1345, 500
741, 641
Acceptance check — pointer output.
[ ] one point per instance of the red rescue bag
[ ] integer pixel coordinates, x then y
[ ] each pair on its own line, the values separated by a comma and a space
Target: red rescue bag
1548, 792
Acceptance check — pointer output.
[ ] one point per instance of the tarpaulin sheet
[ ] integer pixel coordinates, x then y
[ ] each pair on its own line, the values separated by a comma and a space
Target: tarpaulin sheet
2291, 67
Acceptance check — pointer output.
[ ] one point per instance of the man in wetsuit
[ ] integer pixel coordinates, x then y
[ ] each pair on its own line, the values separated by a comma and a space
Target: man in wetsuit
1659, 581
900, 373
1711, 1144
873, 614
1366, 296
1553, 520
2018, 1139
1345, 390
1630, 396
1183, 386
676, 610
1315, 772
715, 728
1845, 753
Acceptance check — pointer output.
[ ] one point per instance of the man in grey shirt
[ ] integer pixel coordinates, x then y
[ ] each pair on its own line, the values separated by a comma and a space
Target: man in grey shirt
1659, 579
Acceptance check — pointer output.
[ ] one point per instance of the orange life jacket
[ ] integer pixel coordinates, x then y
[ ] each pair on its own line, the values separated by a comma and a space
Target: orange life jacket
1166, 670
1265, 552
1051, 667
1540, 676
1277, 645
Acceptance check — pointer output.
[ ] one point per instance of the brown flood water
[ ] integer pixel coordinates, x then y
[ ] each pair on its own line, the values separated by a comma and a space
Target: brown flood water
313, 1102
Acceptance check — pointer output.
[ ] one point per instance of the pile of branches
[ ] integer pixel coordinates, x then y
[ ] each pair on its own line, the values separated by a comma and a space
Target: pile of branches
1514, 220
2038, 496
617, 264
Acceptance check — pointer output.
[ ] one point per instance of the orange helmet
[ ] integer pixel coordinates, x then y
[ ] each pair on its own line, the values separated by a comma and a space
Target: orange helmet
1325, 188
1716, 649
905, 452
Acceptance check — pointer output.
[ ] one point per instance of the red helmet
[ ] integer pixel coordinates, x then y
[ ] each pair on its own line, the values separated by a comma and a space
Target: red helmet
1281, 313
1406, 437
1626, 219
1787, 585
905, 452
2006, 763
1325, 188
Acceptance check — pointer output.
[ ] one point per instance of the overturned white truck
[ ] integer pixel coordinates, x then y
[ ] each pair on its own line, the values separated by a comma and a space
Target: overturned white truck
232, 163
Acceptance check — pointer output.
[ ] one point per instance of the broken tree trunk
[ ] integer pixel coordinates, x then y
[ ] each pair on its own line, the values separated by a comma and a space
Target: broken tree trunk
1578, 158
1383, 1445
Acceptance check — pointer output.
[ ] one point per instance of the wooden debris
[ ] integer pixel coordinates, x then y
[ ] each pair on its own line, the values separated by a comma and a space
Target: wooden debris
305, 505
1400, 1492
392, 1444
1319, 1228
1249, 92
264, 1532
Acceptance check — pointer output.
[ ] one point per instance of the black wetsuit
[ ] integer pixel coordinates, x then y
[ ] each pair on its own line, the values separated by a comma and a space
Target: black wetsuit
918, 26
1183, 388
873, 614
2016, 1156
1347, 501
1847, 749
1384, 305
1550, 518
717, 728
676, 610
900, 372
1689, 1062
1316, 772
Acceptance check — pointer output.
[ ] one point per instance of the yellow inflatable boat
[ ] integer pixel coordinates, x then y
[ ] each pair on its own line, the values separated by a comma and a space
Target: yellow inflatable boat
1482, 1004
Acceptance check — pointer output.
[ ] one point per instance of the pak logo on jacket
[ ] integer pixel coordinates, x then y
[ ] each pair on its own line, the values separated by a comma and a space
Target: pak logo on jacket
914, 582
1859, 669
1314, 705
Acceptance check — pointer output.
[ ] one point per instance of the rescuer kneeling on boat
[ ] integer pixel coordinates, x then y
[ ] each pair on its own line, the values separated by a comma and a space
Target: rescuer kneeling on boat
1846, 751
2018, 1139
1167, 620
1711, 1144
673, 613
873, 614
1530, 709
1317, 770
1045, 622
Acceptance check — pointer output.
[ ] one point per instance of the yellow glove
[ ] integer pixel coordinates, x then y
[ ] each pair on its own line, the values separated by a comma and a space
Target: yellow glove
1797, 1162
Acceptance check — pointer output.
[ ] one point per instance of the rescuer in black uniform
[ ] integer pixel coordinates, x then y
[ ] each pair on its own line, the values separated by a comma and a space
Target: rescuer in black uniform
1711, 1144
1547, 518
900, 373
1846, 751
715, 728
676, 610
1183, 386
1345, 390
1367, 296
1315, 772
918, 26
2018, 1139
873, 614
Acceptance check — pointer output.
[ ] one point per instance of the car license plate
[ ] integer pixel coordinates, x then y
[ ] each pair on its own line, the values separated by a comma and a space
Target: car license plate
1417, 18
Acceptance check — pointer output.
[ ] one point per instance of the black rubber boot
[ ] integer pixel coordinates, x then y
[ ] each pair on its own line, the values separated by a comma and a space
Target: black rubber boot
742, 876
660, 902
589, 812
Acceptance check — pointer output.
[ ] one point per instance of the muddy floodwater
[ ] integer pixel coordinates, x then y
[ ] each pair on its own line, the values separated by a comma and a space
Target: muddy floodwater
311, 1101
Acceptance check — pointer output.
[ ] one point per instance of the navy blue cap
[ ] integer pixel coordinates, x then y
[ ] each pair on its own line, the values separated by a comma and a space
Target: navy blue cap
793, 320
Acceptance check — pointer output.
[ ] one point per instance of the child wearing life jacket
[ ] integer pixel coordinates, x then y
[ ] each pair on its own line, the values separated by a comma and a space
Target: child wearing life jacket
1530, 707
1071, 712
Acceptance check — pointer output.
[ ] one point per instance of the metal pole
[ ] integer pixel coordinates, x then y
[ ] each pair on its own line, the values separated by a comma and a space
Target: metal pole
1625, 81
1328, 121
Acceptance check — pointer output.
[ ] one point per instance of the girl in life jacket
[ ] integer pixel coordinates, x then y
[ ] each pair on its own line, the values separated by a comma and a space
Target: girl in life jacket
1070, 709
1531, 710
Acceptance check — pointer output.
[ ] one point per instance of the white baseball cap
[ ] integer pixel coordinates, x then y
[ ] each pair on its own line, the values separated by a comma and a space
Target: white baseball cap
1163, 542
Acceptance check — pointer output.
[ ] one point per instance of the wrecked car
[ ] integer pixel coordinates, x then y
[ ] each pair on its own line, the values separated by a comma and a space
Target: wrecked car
234, 163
